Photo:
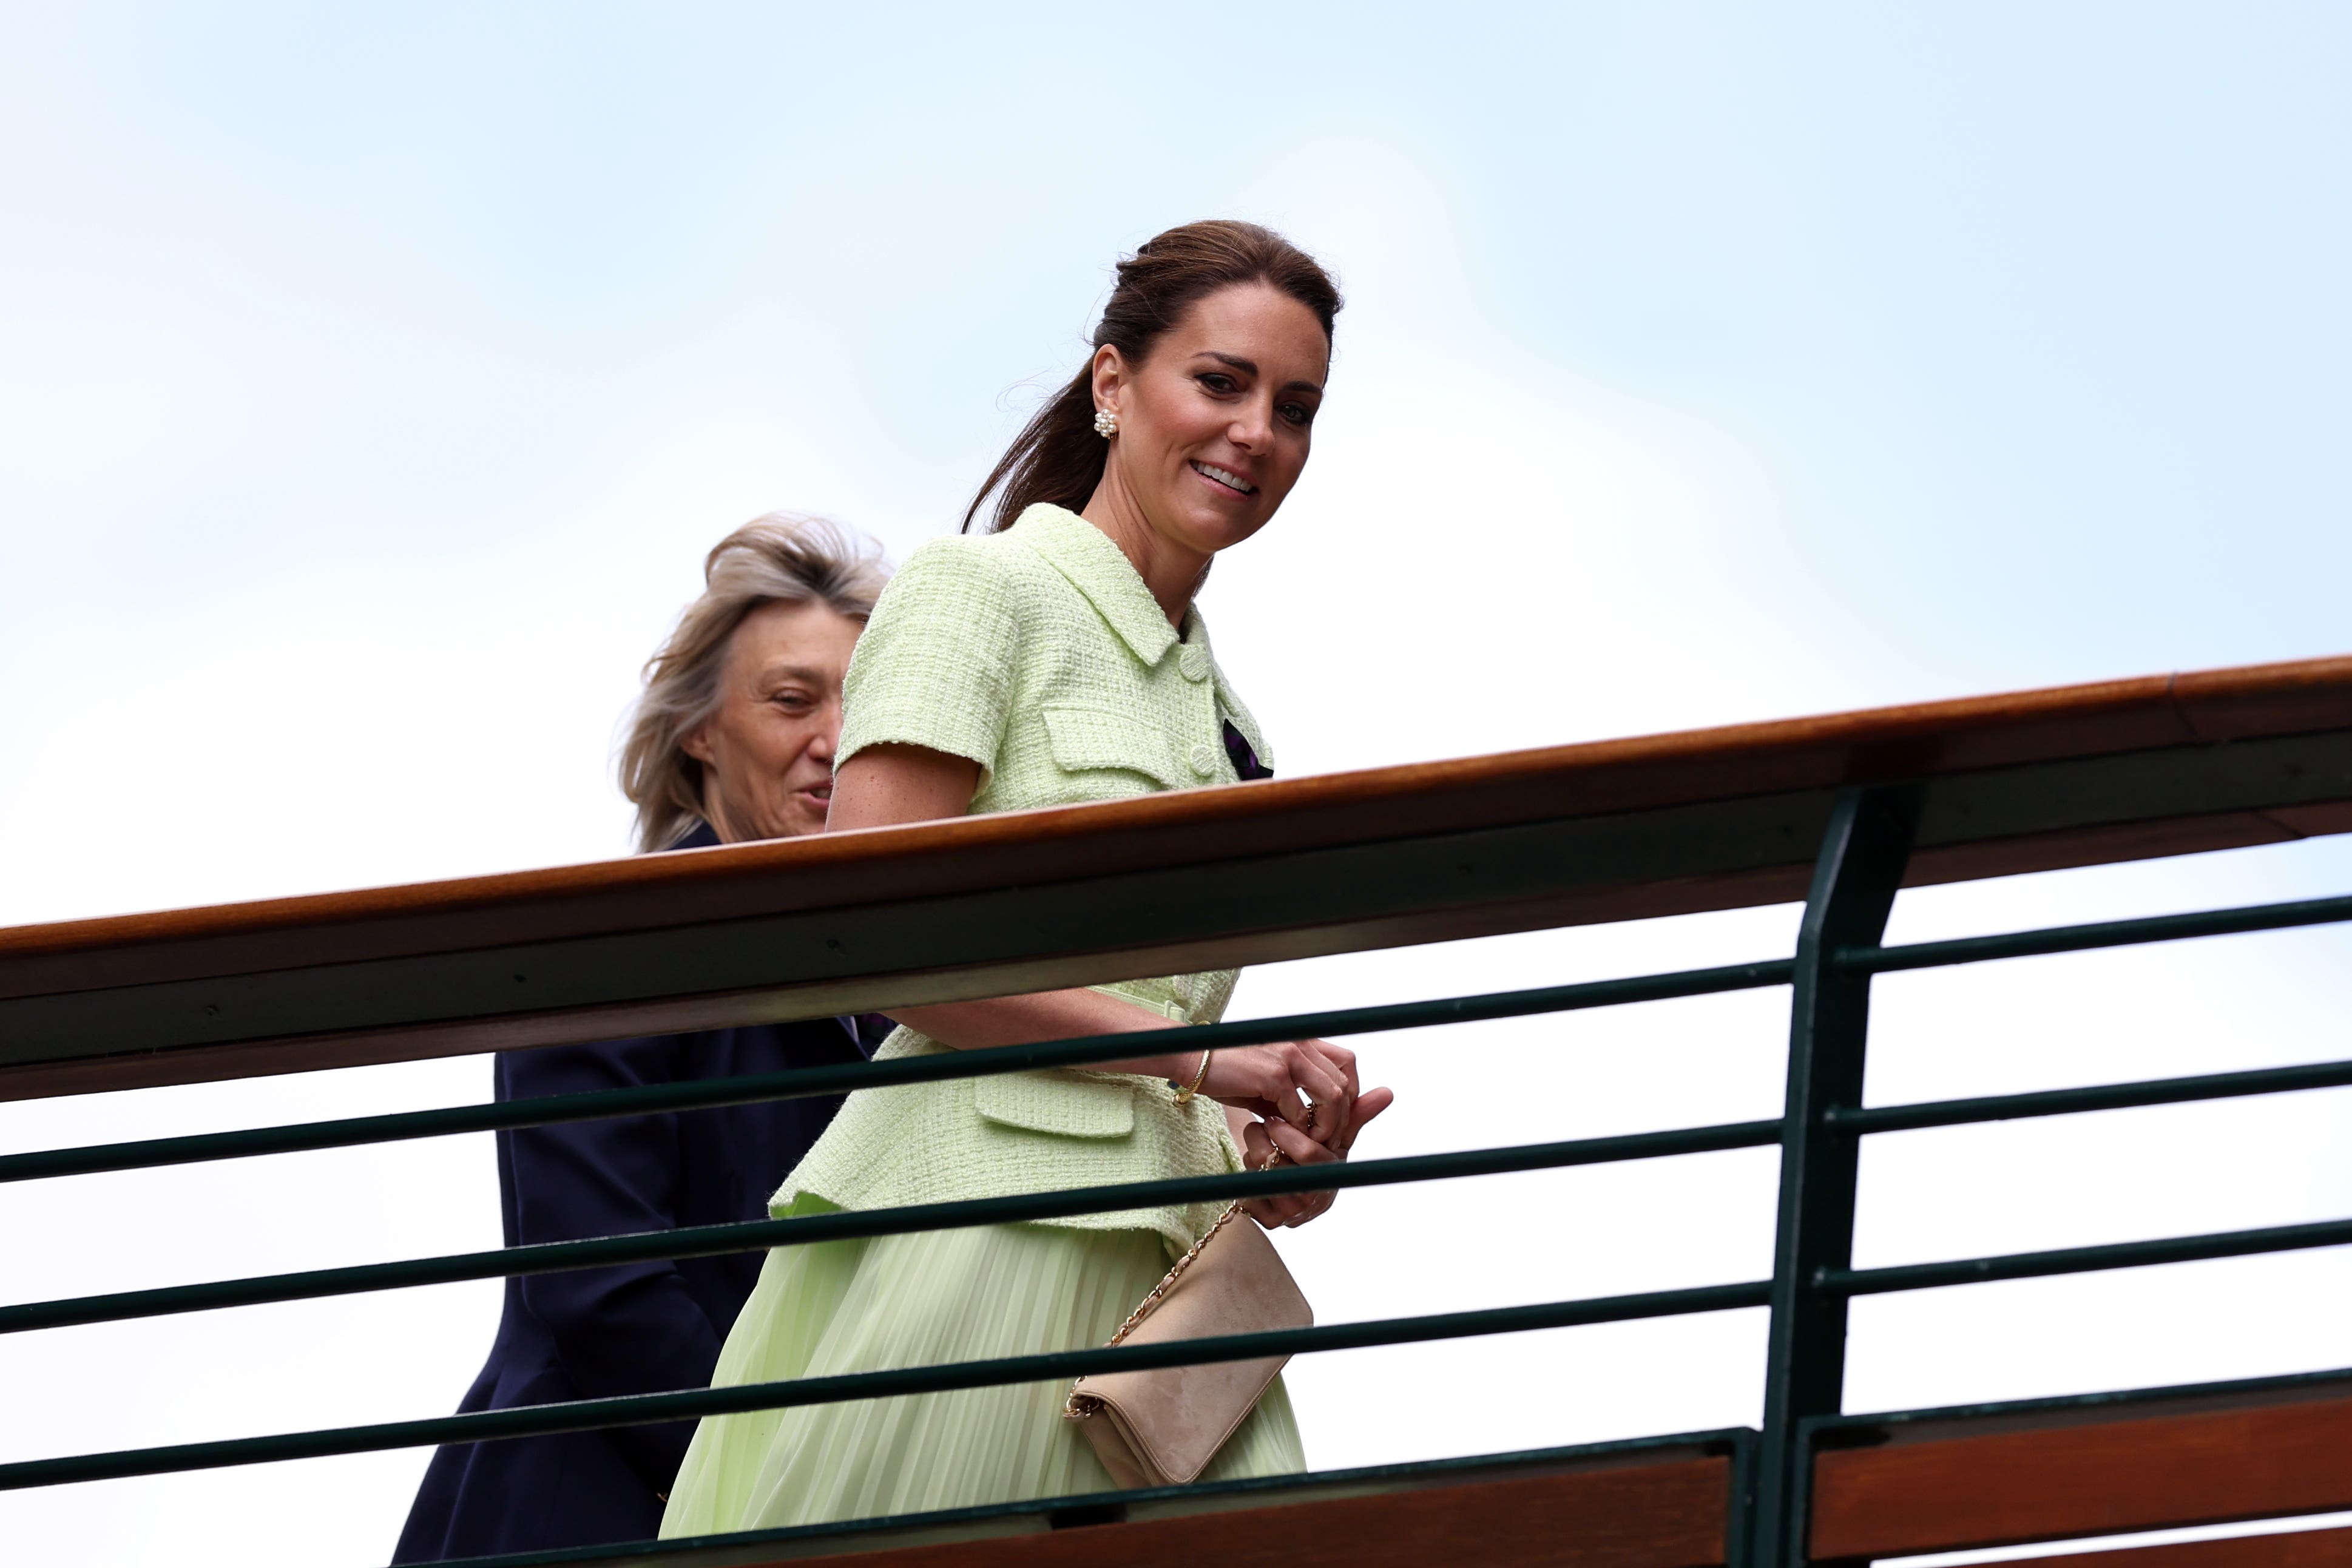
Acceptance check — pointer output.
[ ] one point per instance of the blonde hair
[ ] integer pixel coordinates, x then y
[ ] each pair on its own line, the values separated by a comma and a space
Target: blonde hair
779, 556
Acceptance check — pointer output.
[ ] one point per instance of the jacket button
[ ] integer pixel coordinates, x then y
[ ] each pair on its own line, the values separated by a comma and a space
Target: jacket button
1193, 661
1205, 759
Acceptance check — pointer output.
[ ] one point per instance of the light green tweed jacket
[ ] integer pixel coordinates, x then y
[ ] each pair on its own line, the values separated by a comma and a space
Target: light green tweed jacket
1039, 654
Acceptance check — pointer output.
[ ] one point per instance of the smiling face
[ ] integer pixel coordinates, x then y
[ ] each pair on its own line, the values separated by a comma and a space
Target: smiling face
1213, 426
767, 753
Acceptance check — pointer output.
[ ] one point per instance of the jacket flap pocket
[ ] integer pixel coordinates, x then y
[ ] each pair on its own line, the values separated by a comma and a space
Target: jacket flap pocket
1057, 1102
1087, 738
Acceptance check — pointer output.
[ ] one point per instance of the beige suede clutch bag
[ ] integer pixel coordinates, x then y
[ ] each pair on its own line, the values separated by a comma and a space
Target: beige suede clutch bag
1161, 1427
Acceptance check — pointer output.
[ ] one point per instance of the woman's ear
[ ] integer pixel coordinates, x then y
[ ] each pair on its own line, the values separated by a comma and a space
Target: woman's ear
1110, 373
695, 743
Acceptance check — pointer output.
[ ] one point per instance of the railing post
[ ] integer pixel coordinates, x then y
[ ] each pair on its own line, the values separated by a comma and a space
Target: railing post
1854, 881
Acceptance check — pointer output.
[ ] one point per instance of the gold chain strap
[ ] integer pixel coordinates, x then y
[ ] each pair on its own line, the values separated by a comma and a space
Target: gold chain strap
1080, 1405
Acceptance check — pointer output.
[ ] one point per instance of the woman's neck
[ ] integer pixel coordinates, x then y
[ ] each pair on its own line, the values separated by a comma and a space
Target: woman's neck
1173, 572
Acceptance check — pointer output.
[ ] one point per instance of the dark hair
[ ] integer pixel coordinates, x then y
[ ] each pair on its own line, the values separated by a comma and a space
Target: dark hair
1058, 457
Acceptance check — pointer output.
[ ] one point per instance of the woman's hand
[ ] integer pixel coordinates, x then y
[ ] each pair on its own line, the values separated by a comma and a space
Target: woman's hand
1309, 1084
1260, 1139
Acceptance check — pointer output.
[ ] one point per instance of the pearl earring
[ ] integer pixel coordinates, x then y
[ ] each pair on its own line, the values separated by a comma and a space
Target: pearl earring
1106, 423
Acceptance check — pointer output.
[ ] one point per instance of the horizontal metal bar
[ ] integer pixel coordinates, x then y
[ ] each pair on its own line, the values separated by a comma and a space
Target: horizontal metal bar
800, 1083
2087, 1259
641, 1409
709, 1240
2102, 933
2098, 1096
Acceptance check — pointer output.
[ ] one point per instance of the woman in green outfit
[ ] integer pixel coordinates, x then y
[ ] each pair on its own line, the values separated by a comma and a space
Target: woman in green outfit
1054, 659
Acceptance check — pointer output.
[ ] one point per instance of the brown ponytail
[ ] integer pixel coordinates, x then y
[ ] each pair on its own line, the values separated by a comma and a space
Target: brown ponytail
1058, 457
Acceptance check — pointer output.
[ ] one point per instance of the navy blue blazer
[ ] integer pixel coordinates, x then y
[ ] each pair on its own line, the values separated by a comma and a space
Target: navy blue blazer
639, 1328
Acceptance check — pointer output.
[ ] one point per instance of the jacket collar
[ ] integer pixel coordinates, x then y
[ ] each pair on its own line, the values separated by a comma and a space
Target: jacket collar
1098, 569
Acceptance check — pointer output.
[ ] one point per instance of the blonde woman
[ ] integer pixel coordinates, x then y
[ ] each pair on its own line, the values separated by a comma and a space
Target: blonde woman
731, 740
1057, 658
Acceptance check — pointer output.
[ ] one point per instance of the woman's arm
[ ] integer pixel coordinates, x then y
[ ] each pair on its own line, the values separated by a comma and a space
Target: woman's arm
885, 786
1310, 1083
888, 786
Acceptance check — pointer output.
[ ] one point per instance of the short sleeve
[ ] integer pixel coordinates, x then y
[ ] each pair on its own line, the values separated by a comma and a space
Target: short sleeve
937, 662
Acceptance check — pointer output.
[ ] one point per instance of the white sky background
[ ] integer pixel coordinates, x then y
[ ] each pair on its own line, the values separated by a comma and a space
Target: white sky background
371, 381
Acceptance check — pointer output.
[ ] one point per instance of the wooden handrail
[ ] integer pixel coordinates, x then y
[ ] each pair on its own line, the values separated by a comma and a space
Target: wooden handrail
2283, 1549
1657, 1510
1612, 830
2007, 1480
1653, 1516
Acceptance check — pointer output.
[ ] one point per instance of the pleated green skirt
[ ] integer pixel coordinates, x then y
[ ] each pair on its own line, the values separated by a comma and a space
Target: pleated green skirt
917, 1300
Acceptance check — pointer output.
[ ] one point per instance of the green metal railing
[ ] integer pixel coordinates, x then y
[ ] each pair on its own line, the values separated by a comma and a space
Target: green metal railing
1860, 864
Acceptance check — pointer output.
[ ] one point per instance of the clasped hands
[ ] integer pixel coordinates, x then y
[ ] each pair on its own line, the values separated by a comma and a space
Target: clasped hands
1300, 1096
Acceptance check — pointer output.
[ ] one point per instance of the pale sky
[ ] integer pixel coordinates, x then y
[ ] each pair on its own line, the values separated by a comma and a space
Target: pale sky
372, 379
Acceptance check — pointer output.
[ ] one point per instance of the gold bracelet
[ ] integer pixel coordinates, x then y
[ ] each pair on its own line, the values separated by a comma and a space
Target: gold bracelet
1186, 1092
